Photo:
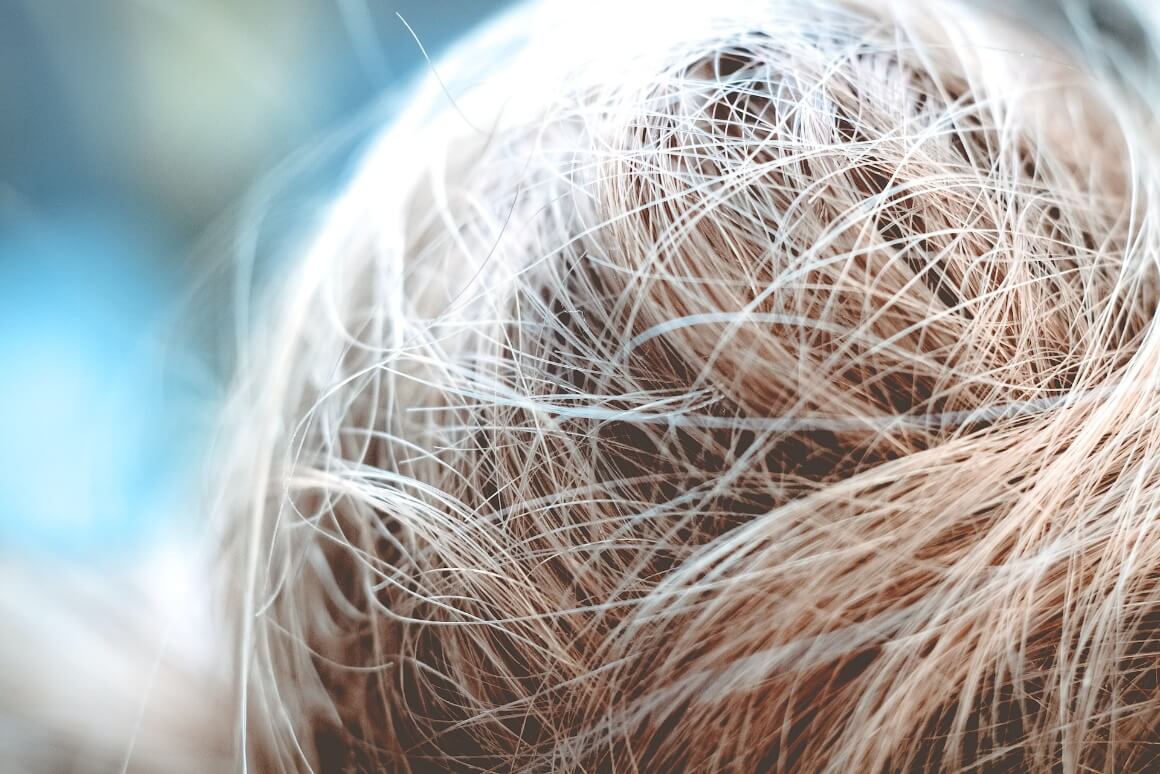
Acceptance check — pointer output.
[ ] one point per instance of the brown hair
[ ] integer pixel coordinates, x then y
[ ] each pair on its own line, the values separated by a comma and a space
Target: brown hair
773, 391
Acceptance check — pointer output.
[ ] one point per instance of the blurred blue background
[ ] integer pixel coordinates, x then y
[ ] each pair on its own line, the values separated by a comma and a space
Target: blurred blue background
130, 132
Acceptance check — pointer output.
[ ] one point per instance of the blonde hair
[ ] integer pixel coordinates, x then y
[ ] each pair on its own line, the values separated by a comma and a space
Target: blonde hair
741, 386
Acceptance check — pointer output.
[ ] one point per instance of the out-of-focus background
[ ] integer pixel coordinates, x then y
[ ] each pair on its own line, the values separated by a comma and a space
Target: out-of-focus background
133, 134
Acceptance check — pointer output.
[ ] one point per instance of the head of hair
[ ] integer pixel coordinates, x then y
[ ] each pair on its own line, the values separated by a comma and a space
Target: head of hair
767, 385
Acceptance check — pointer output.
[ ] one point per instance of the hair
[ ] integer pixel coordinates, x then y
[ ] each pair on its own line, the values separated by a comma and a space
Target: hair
715, 386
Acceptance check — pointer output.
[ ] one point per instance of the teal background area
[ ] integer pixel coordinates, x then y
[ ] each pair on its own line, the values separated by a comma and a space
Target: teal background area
130, 134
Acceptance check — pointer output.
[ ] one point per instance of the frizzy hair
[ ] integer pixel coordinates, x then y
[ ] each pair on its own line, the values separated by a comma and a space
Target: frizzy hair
767, 386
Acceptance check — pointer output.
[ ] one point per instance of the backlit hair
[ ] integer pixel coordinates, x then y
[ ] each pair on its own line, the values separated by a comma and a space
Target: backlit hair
716, 386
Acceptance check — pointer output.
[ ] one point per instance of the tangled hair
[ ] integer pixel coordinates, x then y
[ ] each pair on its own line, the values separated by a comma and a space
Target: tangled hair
763, 387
